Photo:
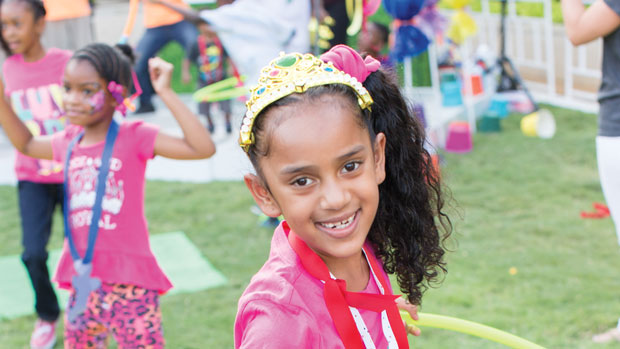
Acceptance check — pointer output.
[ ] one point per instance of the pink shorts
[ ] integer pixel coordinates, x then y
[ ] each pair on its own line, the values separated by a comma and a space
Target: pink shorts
130, 313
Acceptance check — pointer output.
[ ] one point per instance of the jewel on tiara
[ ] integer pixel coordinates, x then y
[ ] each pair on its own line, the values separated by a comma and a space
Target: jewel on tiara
293, 73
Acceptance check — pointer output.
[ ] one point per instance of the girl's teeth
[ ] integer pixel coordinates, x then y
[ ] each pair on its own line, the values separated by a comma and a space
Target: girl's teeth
339, 225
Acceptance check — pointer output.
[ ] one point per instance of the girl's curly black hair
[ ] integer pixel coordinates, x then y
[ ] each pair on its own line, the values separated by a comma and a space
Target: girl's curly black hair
38, 11
407, 230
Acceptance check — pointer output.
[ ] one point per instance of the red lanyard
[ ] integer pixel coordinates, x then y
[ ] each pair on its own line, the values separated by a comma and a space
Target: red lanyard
338, 299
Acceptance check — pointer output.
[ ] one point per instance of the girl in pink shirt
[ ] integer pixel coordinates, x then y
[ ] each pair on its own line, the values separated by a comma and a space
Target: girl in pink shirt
338, 152
115, 284
32, 75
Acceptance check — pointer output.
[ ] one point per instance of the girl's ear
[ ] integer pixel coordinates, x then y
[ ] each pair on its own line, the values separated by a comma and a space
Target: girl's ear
379, 153
39, 26
262, 196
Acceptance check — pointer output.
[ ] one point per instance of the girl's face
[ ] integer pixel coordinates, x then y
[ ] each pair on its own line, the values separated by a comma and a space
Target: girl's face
86, 99
323, 174
19, 28
370, 40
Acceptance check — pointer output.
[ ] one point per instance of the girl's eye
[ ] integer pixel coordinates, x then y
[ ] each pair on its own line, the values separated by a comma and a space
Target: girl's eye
302, 182
351, 166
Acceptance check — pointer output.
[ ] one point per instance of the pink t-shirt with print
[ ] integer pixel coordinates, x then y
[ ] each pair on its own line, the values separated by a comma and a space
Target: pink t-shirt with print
283, 306
34, 90
122, 250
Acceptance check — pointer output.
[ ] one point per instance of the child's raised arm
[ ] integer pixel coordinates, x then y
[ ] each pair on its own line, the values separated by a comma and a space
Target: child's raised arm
196, 142
21, 137
584, 25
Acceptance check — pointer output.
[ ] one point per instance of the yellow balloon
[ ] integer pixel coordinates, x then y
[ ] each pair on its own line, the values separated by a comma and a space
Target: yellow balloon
461, 27
357, 19
456, 4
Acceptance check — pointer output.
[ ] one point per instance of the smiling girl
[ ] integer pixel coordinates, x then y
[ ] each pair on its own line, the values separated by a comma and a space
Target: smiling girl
106, 261
338, 152
32, 77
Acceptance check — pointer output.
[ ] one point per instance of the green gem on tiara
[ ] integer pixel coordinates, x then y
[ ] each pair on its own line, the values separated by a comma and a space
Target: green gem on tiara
286, 61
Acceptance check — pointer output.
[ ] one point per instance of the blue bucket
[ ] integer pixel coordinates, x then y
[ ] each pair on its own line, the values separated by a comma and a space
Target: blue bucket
498, 108
451, 93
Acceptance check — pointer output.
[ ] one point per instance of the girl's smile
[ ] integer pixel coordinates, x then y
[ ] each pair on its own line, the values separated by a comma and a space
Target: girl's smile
339, 228
322, 173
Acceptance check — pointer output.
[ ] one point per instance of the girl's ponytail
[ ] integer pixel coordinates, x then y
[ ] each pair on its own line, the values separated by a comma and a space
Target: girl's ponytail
406, 229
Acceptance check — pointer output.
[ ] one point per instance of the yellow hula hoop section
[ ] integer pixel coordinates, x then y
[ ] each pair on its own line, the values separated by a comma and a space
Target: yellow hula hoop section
469, 327
221, 90
356, 15
350, 8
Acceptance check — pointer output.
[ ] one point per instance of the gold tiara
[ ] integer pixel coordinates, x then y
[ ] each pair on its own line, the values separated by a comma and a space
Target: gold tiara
293, 73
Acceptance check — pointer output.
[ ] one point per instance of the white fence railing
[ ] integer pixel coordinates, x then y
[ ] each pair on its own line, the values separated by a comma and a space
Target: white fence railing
554, 70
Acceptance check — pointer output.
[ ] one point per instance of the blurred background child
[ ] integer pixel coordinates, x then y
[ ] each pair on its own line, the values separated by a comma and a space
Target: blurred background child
32, 76
373, 40
115, 283
213, 65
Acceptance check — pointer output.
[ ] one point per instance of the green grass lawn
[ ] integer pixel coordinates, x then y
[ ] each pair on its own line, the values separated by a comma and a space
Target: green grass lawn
516, 203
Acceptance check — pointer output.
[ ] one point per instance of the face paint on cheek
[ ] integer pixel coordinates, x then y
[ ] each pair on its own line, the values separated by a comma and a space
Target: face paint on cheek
97, 101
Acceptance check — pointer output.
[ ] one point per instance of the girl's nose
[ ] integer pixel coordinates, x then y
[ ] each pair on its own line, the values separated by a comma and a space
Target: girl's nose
71, 98
334, 196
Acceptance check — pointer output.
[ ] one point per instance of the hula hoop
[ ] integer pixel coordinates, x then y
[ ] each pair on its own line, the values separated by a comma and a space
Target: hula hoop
221, 90
469, 327
358, 17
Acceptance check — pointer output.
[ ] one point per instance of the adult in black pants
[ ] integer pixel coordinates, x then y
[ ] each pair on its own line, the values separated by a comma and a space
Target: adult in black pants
337, 9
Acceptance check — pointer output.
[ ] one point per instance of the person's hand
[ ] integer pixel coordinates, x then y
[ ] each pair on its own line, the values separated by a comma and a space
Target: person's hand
412, 309
186, 77
160, 72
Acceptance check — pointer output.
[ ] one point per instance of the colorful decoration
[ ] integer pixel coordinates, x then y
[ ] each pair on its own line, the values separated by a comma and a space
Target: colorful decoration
430, 21
409, 41
293, 73
118, 91
462, 24
471, 328
97, 101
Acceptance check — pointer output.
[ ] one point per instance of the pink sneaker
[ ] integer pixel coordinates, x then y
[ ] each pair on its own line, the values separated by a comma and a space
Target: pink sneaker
44, 335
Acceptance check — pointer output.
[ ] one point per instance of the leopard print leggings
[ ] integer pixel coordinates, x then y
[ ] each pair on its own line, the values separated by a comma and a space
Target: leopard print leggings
130, 312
